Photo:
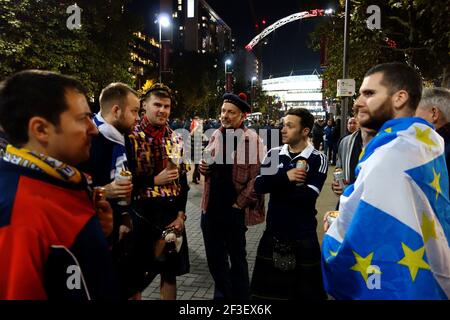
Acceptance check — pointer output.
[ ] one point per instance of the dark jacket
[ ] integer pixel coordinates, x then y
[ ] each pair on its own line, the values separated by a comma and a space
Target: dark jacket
292, 208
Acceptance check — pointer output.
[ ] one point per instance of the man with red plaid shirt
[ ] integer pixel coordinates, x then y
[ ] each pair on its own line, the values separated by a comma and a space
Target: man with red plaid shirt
229, 203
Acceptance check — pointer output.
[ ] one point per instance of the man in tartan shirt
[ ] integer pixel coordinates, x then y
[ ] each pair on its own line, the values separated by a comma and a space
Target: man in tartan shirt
229, 203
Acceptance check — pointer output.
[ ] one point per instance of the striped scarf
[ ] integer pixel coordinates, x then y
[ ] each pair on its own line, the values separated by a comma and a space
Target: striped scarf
42, 163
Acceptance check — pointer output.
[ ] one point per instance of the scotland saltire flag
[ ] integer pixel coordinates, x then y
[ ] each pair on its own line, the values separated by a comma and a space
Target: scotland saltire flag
391, 239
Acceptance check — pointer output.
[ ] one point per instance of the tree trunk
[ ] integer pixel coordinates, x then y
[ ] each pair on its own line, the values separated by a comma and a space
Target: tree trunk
446, 78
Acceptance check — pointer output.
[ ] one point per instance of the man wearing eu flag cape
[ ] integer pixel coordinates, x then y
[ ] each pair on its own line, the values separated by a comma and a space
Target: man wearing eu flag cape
391, 239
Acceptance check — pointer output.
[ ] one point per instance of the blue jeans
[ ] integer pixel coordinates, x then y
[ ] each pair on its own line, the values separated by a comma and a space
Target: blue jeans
224, 238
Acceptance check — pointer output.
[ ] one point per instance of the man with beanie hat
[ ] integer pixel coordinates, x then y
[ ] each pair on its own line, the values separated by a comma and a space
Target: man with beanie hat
229, 203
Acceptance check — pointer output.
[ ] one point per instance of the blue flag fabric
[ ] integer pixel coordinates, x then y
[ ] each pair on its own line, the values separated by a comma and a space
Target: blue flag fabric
391, 239
119, 160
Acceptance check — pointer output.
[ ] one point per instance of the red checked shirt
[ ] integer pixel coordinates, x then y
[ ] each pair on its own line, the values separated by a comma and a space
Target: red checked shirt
247, 161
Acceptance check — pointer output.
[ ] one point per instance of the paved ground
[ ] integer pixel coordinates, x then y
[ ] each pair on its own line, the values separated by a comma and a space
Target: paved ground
198, 284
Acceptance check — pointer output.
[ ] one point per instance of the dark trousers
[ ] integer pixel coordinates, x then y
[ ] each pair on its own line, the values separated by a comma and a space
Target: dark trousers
330, 151
224, 237
196, 173
317, 142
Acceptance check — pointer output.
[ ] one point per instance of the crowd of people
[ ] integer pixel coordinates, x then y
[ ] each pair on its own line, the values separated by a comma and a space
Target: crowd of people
93, 206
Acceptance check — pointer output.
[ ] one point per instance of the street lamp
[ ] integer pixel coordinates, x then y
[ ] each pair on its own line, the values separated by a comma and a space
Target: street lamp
253, 92
345, 101
227, 62
163, 21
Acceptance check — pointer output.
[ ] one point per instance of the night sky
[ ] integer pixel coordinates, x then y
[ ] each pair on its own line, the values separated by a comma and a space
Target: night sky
286, 49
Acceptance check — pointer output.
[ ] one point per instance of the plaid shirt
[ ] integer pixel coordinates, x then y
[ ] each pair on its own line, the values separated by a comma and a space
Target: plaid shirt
245, 169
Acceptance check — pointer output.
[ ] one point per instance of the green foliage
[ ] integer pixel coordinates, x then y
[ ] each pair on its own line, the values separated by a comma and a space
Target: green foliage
418, 27
33, 35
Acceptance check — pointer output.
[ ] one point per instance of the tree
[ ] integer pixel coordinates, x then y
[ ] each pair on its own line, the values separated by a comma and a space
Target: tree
34, 35
403, 37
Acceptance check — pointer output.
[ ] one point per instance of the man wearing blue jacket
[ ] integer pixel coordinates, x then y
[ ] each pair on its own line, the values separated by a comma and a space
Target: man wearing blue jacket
288, 257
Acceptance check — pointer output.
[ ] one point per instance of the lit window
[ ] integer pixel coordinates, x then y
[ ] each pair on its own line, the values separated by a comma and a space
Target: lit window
180, 8
180, 2
175, 15
190, 9
181, 28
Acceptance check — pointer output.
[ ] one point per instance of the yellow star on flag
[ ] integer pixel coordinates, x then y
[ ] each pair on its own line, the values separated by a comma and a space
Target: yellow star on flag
332, 254
428, 228
424, 136
362, 264
436, 183
388, 130
413, 260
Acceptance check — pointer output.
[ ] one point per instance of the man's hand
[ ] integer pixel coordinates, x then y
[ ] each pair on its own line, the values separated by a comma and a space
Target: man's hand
105, 215
297, 175
204, 168
326, 225
336, 188
166, 176
119, 189
178, 223
123, 231
126, 226
236, 206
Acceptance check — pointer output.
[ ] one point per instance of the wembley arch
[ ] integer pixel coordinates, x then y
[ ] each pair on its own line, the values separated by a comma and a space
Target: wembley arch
282, 22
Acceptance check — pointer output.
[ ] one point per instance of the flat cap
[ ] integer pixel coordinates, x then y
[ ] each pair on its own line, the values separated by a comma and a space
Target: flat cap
239, 101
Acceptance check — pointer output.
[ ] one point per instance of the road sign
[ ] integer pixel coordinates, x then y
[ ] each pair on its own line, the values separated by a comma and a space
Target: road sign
345, 87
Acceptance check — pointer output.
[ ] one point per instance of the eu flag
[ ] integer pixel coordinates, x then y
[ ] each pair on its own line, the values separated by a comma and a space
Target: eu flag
391, 239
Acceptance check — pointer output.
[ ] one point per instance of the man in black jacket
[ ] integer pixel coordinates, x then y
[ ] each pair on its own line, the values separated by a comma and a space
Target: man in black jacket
288, 258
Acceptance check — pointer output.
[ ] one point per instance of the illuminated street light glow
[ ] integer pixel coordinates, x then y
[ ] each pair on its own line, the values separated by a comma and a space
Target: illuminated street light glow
227, 62
164, 21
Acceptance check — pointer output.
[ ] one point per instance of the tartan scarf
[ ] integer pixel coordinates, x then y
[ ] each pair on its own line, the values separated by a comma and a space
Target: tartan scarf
157, 138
